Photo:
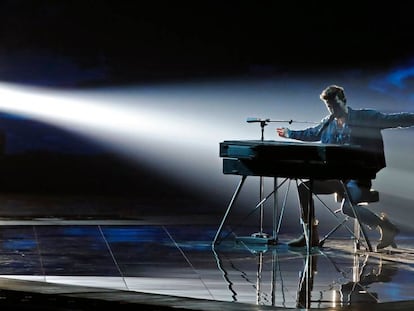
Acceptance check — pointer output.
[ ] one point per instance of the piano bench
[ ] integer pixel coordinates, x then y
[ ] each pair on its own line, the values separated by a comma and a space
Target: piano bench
367, 197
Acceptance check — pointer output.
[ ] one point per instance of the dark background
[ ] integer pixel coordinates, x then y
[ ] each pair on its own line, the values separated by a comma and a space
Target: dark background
109, 42
92, 44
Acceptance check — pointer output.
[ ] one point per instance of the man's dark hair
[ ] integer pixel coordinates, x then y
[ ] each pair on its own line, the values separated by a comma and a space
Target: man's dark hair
332, 91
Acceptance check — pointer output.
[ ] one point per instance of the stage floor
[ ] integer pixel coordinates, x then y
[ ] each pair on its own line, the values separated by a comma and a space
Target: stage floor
159, 263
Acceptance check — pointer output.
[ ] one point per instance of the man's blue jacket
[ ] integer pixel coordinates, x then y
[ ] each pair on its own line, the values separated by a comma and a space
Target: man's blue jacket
362, 128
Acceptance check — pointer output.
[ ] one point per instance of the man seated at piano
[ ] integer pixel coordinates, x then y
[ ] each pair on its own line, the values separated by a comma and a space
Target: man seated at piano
345, 125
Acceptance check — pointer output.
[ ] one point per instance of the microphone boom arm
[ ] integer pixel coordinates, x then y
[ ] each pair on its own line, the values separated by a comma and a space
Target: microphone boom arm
253, 120
264, 122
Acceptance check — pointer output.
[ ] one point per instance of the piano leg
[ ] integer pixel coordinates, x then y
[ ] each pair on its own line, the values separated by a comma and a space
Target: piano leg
261, 232
278, 215
233, 199
311, 218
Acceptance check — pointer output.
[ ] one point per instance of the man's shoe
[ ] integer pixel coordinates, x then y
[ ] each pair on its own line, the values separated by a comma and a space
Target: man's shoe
301, 241
298, 242
388, 233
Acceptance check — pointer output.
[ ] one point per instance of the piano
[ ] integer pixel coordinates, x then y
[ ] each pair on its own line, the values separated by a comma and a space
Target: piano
297, 160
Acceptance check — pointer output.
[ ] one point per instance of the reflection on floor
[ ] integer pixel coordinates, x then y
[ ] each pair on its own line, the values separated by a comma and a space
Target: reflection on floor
132, 260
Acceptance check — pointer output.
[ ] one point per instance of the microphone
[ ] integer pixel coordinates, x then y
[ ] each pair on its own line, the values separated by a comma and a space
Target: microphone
253, 120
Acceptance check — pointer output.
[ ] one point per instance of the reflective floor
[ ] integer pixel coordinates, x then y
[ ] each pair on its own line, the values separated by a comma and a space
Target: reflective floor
170, 265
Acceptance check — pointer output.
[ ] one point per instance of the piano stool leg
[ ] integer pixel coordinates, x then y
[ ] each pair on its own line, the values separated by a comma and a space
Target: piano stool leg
233, 199
358, 225
326, 236
355, 232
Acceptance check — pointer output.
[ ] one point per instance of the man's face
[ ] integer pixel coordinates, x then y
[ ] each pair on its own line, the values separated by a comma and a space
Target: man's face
336, 107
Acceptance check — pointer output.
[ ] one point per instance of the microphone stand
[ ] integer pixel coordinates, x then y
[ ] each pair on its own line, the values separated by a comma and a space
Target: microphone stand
261, 237
261, 234
263, 123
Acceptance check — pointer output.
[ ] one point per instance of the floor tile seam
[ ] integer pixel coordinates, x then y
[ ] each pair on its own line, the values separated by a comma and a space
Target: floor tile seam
112, 255
188, 261
39, 252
